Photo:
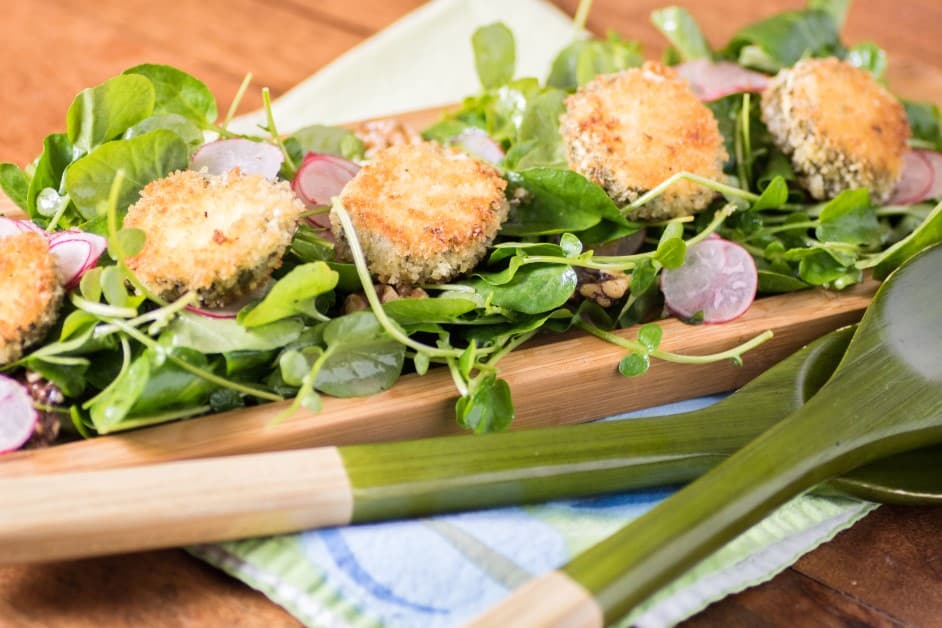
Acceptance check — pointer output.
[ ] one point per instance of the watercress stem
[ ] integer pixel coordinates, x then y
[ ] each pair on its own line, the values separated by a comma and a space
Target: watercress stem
273, 130
236, 100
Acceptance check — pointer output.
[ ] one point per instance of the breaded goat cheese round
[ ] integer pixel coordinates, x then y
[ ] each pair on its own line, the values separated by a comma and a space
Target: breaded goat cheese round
218, 236
422, 212
30, 293
630, 131
841, 128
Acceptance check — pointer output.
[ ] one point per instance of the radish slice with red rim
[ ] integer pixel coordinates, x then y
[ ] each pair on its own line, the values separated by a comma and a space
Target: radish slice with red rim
17, 415
13, 226
480, 144
75, 252
718, 278
250, 157
916, 180
713, 80
319, 179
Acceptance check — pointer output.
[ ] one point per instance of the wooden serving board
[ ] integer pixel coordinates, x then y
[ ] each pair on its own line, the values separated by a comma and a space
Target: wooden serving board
554, 381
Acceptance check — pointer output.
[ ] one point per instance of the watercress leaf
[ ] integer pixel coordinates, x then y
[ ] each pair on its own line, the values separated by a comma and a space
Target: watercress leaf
495, 54
70, 379
926, 234
113, 405
773, 196
535, 288
444, 130
466, 360
47, 174
683, 32
330, 140
178, 92
558, 201
361, 358
169, 386
225, 399
130, 241
221, 335
837, 9
582, 60
925, 122
870, 57
820, 268
539, 131
421, 362
634, 364
442, 309
489, 408
671, 252
643, 276
783, 39
606, 57
15, 184
650, 336
90, 284
295, 364
310, 400
242, 361
302, 283
113, 286
849, 218
772, 282
104, 112
188, 131
142, 159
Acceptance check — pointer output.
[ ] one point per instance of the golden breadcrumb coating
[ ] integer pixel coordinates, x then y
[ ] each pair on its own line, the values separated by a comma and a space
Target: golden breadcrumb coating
30, 293
840, 127
630, 131
220, 236
423, 213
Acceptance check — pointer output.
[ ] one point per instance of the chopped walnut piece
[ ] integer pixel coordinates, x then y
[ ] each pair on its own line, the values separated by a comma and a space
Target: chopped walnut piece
603, 287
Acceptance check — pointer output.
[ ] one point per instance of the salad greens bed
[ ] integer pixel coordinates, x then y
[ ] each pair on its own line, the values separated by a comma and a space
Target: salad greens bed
124, 358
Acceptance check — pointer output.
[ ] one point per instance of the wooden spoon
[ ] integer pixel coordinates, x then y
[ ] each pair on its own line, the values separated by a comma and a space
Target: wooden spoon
263, 494
884, 398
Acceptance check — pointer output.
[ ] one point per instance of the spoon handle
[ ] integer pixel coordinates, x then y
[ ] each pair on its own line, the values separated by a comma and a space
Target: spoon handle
884, 398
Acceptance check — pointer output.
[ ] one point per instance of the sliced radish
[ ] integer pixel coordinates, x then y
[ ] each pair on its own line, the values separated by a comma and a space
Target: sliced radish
320, 178
231, 310
250, 157
17, 415
921, 178
935, 160
75, 252
713, 80
718, 278
480, 144
12, 226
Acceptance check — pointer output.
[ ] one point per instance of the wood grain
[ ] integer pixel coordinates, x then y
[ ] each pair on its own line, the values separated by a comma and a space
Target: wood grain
886, 566
186, 503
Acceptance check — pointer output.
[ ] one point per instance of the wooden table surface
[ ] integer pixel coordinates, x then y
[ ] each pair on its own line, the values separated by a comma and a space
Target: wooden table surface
886, 571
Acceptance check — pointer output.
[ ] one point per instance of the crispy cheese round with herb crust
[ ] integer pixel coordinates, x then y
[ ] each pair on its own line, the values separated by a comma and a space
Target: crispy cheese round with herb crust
422, 212
841, 128
630, 131
30, 293
218, 236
